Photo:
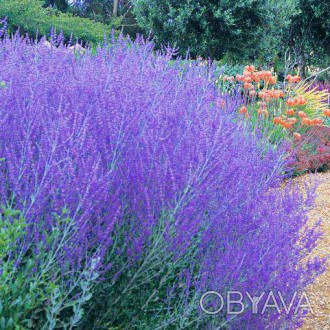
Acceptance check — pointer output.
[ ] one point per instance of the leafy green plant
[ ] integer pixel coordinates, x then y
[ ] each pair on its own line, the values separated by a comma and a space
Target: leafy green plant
153, 292
34, 292
17, 295
31, 17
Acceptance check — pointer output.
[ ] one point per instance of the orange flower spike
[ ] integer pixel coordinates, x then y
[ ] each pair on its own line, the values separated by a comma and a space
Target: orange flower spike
296, 79
301, 100
317, 121
267, 75
307, 121
292, 120
290, 102
288, 77
277, 120
256, 76
246, 73
326, 112
287, 125
302, 114
265, 94
277, 94
248, 86
249, 68
239, 77
243, 110
252, 93
260, 74
290, 112
297, 136
247, 79
272, 80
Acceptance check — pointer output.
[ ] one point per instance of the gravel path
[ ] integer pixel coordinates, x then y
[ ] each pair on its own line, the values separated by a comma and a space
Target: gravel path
319, 292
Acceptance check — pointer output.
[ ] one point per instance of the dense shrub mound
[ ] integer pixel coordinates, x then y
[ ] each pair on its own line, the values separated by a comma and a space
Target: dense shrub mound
31, 17
312, 151
136, 190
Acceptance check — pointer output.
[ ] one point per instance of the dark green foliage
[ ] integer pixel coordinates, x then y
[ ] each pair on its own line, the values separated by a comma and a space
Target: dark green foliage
270, 48
30, 16
241, 31
98, 10
114, 12
309, 33
209, 28
59, 4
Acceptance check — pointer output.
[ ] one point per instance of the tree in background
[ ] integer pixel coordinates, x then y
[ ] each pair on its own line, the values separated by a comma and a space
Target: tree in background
210, 28
100, 10
114, 12
272, 45
241, 30
308, 35
62, 5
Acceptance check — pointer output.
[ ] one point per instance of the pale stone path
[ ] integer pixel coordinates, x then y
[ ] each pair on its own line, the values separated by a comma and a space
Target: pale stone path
319, 292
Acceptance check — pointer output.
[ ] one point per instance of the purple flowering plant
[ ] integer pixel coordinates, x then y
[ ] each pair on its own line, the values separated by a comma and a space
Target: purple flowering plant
138, 190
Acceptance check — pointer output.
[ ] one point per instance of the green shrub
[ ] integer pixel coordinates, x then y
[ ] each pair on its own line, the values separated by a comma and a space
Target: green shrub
29, 16
17, 298
33, 290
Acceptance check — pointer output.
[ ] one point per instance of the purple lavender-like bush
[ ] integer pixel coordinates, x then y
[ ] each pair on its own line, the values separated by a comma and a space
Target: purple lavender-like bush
167, 191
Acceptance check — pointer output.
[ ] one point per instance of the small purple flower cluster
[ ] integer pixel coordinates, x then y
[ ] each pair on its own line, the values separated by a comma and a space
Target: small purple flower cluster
125, 135
321, 86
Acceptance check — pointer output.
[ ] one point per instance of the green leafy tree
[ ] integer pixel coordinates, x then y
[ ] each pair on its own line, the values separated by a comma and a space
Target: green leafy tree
308, 35
209, 28
271, 46
105, 11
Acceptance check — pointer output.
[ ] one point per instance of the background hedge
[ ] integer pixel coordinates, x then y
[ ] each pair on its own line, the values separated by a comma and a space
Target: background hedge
31, 17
